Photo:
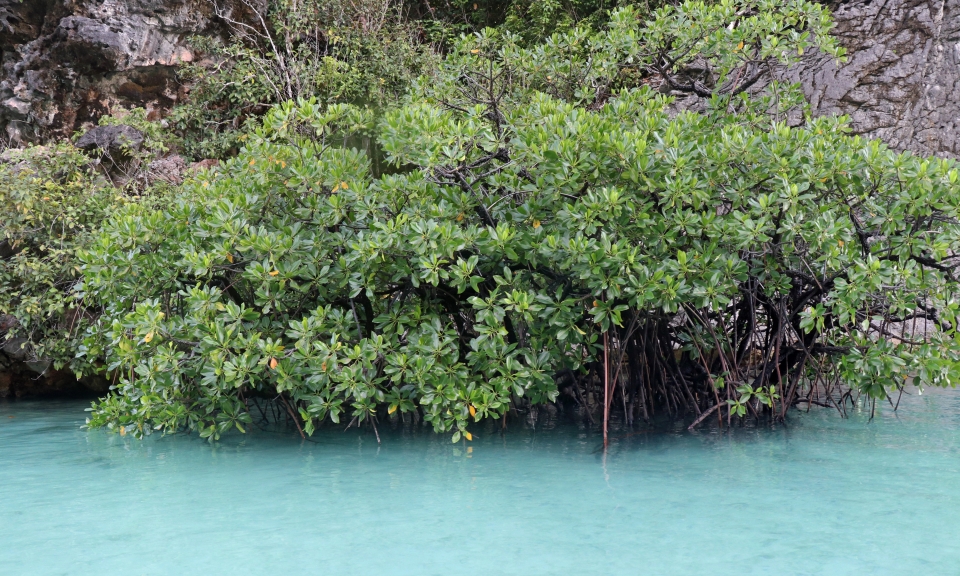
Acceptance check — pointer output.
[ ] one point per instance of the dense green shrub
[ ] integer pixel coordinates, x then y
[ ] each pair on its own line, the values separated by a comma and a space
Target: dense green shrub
532, 20
536, 20
52, 201
358, 52
366, 53
540, 222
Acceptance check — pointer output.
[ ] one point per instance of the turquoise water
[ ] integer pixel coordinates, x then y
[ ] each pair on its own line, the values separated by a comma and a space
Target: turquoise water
819, 496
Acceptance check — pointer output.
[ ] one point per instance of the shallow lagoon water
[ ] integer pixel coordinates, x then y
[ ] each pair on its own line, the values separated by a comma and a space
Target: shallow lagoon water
821, 495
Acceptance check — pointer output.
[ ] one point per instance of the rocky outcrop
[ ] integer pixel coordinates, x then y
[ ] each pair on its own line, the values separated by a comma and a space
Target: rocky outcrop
23, 377
901, 82
22, 381
67, 62
110, 139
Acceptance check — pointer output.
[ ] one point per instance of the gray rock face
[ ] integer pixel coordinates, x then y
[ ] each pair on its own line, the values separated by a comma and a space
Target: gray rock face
901, 82
67, 62
111, 139
169, 169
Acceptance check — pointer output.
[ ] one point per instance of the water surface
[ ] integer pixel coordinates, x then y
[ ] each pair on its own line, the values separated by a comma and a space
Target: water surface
822, 495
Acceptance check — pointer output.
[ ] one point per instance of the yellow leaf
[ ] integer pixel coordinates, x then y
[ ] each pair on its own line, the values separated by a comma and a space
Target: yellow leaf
252, 161
230, 257
46, 197
468, 436
344, 186
273, 363
123, 431
473, 411
323, 366
460, 217
841, 243
391, 409
148, 337
335, 188
474, 51
800, 51
536, 223
274, 273
283, 164
740, 45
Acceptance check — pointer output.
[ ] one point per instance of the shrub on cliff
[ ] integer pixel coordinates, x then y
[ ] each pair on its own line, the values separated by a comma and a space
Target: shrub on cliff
52, 201
358, 52
537, 222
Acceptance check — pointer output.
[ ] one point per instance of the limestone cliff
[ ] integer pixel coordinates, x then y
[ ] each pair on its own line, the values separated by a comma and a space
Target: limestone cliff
901, 82
67, 62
